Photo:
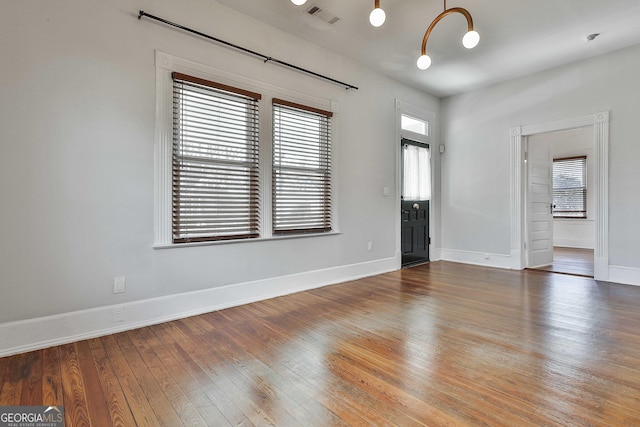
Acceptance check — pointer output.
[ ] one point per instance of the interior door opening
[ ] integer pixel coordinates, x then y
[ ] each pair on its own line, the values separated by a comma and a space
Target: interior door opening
568, 231
598, 126
415, 198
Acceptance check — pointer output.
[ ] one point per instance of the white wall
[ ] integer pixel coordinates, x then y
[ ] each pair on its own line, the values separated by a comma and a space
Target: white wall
574, 233
77, 97
475, 167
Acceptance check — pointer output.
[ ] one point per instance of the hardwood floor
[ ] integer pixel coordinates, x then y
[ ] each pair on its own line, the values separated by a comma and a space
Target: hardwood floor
437, 344
578, 262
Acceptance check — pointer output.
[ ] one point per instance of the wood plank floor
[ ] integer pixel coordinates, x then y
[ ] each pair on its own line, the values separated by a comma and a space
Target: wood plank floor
440, 344
571, 261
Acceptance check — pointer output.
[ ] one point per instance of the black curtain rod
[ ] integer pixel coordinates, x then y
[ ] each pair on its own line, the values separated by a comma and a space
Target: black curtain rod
244, 49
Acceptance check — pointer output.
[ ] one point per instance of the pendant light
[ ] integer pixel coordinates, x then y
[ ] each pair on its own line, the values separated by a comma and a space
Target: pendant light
377, 15
470, 39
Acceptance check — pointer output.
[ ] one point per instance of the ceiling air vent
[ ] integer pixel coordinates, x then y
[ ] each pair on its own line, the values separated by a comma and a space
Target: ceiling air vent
322, 14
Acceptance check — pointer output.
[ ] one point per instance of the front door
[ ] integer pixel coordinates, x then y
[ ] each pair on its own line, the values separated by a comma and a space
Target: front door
416, 192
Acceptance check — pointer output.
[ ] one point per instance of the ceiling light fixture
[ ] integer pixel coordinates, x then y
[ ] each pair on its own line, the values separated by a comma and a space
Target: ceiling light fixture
377, 15
298, 2
470, 39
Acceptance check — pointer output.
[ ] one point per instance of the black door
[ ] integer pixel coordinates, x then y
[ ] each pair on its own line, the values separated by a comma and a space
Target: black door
415, 202
415, 231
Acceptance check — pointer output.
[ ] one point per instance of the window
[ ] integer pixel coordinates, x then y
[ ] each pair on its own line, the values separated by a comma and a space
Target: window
414, 125
215, 161
416, 172
301, 176
570, 187
214, 158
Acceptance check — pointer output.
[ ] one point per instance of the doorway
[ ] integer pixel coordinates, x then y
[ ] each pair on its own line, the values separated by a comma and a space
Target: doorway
414, 199
600, 123
560, 205
572, 261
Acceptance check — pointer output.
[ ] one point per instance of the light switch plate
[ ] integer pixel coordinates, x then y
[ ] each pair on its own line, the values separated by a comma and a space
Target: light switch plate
119, 285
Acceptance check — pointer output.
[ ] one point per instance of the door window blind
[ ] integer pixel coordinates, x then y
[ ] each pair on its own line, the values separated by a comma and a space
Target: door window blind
570, 187
301, 168
215, 161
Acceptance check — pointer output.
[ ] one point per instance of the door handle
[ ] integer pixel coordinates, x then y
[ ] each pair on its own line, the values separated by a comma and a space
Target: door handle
416, 206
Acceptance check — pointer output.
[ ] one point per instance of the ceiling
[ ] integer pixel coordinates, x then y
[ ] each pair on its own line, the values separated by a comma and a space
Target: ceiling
517, 37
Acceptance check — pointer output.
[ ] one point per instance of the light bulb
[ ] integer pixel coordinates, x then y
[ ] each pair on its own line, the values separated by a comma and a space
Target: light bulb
377, 17
298, 2
424, 62
471, 39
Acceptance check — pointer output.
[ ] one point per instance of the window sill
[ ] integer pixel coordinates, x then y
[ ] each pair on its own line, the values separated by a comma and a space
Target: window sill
227, 242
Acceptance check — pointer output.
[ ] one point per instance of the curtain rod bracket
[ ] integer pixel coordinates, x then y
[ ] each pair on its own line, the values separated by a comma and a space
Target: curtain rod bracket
245, 50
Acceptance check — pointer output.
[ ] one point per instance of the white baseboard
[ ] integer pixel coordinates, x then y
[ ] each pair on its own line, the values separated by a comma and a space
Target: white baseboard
624, 275
574, 243
477, 258
434, 254
516, 260
32, 334
601, 268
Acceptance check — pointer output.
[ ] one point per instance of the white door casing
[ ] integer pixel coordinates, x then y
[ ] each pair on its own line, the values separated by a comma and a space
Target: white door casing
600, 122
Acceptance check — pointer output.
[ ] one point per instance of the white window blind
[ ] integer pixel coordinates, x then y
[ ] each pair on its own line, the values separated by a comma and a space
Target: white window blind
570, 187
301, 168
416, 172
215, 161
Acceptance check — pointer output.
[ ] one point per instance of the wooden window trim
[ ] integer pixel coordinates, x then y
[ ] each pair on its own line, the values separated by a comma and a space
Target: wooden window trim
209, 83
570, 158
279, 101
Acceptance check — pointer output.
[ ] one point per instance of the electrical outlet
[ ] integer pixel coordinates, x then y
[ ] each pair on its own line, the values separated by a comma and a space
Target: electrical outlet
118, 314
370, 246
119, 285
